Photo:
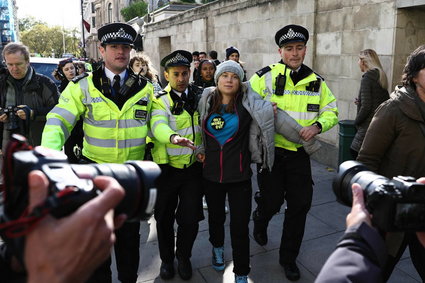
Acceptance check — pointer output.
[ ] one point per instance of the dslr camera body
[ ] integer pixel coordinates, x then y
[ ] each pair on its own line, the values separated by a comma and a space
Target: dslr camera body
10, 111
70, 186
396, 205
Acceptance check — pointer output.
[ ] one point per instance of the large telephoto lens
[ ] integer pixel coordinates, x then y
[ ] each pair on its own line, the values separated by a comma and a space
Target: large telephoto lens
351, 172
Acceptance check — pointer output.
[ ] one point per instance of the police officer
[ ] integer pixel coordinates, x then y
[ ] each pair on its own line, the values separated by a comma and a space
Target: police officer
305, 96
115, 125
176, 130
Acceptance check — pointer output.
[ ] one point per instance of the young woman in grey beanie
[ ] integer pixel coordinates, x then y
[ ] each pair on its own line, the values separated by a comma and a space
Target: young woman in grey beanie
238, 129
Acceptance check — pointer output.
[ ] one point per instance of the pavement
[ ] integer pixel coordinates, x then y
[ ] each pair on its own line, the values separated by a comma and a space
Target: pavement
325, 225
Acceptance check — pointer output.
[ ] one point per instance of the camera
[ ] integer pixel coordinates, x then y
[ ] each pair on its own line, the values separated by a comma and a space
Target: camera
11, 115
397, 204
70, 185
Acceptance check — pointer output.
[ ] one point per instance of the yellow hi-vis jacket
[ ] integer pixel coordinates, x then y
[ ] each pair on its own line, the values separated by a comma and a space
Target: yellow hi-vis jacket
111, 135
163, 124
304, 103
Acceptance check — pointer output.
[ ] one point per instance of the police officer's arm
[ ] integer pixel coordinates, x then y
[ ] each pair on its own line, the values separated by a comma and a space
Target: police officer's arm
328, 112
328, 115
62, 118
160, 128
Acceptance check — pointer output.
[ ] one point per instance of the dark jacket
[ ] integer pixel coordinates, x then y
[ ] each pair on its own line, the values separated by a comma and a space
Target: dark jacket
358, 257
230, 162
371, 95
39, 93
395, 142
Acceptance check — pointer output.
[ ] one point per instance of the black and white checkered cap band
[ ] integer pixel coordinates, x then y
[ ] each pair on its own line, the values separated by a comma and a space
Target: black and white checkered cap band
292, 35
177, 59
118, 34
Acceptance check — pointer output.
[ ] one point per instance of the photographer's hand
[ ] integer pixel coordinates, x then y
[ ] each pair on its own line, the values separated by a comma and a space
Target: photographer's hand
3, 118
69, 249
358, 212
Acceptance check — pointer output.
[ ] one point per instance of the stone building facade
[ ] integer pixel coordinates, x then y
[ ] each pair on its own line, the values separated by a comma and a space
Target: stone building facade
338, 31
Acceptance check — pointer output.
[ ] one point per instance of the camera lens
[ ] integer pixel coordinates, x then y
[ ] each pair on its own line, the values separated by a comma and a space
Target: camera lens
351, 172
138, 180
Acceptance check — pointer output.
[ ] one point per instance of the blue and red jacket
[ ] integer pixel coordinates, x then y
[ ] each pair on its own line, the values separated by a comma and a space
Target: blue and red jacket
230, 162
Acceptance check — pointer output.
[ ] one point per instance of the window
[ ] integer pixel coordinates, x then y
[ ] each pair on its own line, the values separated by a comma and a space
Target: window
110, 13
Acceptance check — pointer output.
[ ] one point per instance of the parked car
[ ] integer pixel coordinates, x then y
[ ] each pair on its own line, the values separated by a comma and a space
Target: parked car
45, 66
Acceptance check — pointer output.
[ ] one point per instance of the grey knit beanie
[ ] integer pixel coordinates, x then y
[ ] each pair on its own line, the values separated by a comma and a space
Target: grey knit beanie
229, 66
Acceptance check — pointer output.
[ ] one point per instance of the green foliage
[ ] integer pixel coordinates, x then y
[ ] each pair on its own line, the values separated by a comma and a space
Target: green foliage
135, 9
28, 23
46, 40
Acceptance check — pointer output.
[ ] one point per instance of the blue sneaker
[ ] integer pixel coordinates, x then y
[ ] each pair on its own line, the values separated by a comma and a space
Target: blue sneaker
218, 258
241, 279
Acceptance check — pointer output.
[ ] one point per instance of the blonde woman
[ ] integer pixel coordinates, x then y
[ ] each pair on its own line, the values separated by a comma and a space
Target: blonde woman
373, 91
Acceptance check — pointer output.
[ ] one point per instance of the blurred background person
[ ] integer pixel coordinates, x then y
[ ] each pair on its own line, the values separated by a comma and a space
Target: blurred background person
373, 91
33, 94
195, 55
205, 75
202, 56
195, 69
80, 67
395, 145
64, 73
232, 53
213, 56
142, 62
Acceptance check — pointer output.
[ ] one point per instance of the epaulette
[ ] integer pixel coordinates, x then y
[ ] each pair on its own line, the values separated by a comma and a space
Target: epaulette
196, 89
319, 76
160, 93
263, 71
79, 77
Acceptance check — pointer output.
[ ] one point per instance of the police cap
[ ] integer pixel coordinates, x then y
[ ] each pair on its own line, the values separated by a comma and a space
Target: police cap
291, 33
177, 58
116, 33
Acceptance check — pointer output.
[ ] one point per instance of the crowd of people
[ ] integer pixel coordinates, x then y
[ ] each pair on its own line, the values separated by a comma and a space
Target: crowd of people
205, 135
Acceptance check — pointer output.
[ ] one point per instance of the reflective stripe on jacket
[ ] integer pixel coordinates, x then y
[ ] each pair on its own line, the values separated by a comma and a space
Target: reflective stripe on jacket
304, 105
111, 135
163, 124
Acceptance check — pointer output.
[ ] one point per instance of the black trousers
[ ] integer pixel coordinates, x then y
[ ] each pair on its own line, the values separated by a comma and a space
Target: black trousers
127, 253
179, 199
239, 196
290, 180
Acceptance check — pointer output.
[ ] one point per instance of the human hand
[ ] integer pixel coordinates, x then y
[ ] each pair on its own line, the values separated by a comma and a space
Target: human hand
21, 113
71, 248
274, 105
181, 141
307, 133
3, 118
200, 157
358, 212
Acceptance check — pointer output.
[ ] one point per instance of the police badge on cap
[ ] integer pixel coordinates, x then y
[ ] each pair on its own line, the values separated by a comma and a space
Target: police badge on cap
177, 58
116, 33
291, 33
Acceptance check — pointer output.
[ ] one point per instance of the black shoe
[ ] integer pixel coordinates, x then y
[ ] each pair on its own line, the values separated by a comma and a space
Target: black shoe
184, 268
167, 270
292, 271
260, 230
